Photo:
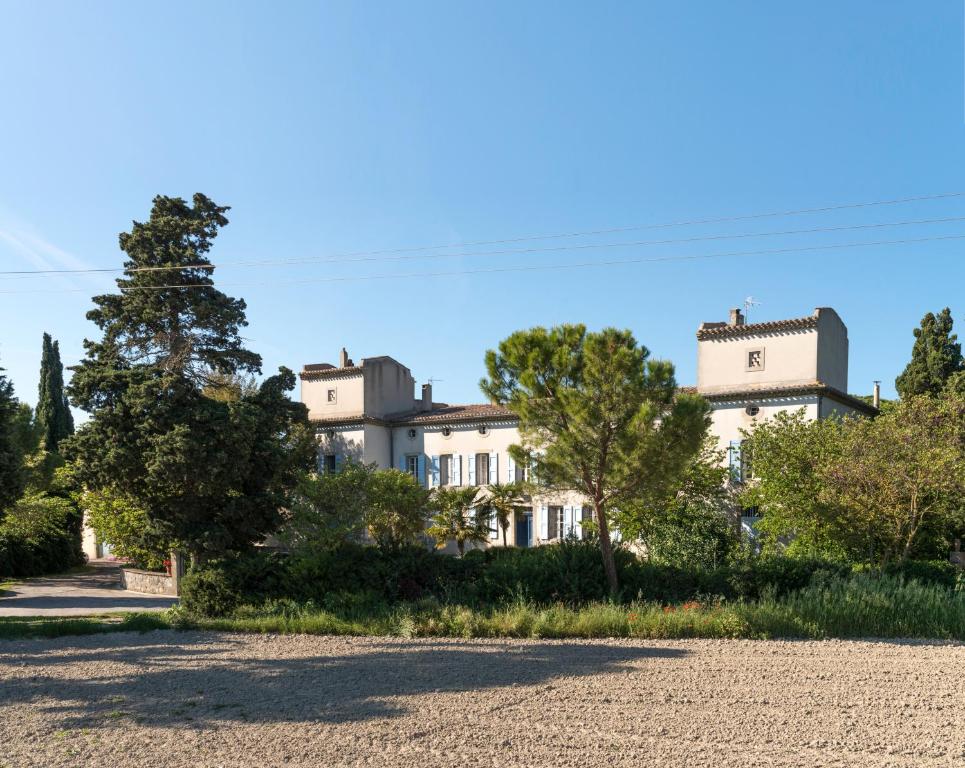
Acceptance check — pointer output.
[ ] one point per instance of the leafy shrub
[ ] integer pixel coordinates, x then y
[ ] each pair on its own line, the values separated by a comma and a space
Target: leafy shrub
407, 573
940, 572
211, 591
40, 534
778, 576
219, 586
571, 572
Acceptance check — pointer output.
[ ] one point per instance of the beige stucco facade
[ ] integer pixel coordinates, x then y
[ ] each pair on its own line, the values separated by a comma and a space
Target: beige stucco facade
369, 412
750, 372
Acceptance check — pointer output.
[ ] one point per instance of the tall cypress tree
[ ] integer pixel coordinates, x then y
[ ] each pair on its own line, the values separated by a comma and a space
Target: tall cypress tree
935, 357
54, 419
11, 458
65, 420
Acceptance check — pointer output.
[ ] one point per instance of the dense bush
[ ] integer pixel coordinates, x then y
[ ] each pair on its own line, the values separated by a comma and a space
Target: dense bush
40, 534
219, 586
570, 574
940, 572
211, 591
777, 576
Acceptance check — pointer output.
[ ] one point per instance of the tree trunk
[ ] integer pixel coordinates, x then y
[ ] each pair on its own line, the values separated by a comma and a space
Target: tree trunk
504, 527
606, 549
462, 547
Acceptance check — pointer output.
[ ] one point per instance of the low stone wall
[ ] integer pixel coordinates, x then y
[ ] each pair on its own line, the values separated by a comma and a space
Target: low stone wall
148, 582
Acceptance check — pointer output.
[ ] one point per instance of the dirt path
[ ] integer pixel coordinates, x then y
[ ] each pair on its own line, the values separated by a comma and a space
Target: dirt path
189, 699
78, 594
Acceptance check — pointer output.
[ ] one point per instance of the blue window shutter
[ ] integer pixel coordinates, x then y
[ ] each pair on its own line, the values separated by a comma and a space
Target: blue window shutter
338, 463
493, 468
434, 473
510, 469
421, 469
578, 522
402, 462
544, 522
471, 469
456, 469
493, 526
567, 522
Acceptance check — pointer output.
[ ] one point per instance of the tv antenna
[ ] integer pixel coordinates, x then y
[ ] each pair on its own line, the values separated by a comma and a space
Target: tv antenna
750, 302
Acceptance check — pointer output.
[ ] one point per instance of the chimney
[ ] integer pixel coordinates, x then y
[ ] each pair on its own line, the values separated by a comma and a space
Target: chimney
343, 361
876, 395
736, 317
426, 404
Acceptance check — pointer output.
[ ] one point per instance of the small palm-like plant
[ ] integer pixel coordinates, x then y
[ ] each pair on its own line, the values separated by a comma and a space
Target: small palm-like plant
457, 519
503, 500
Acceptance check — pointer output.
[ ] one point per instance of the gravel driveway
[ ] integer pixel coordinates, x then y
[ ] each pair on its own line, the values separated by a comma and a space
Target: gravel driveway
191, 699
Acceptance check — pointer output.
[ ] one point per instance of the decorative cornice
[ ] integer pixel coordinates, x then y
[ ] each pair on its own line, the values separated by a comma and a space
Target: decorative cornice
791, 390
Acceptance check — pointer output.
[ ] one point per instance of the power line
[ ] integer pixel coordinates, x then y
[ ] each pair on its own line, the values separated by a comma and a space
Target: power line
13, 274
528, 268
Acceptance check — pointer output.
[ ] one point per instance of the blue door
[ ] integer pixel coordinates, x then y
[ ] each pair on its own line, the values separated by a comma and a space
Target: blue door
524, 529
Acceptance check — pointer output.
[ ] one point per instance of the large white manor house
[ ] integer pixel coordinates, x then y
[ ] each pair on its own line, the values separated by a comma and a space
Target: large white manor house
368, 411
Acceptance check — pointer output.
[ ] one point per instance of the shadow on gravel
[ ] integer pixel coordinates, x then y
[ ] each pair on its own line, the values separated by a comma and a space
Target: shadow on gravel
183, 684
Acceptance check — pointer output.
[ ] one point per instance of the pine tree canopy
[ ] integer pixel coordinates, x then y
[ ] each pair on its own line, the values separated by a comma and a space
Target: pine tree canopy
168, 316
596, 415
935, 357
212, 473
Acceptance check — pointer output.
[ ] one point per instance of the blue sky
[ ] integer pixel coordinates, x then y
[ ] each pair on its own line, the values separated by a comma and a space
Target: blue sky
335, 128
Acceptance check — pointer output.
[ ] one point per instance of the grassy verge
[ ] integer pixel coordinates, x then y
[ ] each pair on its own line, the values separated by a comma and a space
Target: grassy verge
861, 606
19, 627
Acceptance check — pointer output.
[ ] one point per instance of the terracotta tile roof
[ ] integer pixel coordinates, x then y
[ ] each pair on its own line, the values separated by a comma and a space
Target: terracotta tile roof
326, 371
442, 413
790, 390
341, 421
724, 331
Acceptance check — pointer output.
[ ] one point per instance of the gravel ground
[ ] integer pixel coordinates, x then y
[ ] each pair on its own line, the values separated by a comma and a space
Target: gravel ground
192, 699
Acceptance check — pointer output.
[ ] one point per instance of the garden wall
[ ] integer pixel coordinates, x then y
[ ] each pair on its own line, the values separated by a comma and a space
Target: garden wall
148, 582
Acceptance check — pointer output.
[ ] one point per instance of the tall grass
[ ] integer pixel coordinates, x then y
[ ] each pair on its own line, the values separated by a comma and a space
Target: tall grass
869, 606
860, 606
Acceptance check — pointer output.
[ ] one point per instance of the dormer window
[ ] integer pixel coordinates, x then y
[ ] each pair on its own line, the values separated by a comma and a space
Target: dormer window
755, 360
331, 396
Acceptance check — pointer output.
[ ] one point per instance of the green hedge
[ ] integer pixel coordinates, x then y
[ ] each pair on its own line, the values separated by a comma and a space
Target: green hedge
570, 573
